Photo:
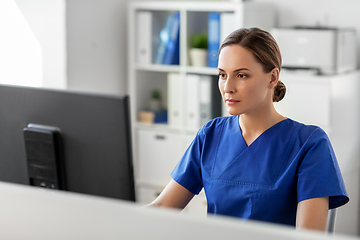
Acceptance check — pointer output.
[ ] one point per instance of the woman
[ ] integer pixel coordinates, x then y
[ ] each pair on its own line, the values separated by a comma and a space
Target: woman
257, 164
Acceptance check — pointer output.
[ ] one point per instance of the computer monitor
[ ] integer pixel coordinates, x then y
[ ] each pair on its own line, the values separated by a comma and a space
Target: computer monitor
95, 133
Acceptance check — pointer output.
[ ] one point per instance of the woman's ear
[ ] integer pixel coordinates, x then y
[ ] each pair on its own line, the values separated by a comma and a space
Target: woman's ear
274, 77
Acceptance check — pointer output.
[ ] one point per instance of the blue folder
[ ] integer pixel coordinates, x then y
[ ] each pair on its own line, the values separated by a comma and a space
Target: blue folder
213, 38
172, 48
164, 39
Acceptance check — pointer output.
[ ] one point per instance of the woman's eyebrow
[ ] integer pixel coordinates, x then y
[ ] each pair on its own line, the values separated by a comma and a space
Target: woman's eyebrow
241, 69
236, 70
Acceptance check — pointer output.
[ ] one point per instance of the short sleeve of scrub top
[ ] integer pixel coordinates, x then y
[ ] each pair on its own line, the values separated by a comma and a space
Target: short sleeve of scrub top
288, 163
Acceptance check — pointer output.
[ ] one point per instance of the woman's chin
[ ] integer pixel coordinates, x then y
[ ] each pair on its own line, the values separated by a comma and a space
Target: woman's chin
233, 111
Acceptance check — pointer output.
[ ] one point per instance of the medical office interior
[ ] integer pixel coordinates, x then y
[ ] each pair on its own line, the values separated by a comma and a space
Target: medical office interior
95, 47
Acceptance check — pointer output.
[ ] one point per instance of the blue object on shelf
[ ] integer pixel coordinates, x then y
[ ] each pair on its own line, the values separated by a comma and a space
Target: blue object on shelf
160, 116
172, 48
213, 38
148, 116
164, 39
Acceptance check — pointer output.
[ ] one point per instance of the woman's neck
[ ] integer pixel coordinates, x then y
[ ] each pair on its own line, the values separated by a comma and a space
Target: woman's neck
253, 124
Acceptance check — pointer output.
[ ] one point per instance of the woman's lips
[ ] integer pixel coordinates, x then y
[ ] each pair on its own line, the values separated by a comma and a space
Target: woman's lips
231, 101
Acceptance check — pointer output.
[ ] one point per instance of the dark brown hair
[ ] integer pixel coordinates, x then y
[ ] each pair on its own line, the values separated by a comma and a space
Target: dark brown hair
264, 48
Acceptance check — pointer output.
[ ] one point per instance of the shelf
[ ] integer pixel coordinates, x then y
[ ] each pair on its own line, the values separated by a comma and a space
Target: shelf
202, 70
176, 68
157, 67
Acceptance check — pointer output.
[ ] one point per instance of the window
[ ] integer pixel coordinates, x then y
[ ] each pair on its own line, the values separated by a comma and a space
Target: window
33, 43
21, 54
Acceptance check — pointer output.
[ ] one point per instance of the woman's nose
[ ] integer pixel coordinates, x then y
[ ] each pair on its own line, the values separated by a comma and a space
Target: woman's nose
229, 86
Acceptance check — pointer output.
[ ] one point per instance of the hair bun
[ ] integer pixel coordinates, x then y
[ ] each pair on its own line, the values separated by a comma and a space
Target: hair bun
279, 91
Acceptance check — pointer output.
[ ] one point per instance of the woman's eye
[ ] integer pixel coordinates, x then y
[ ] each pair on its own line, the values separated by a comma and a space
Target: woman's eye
222, 75
241, 76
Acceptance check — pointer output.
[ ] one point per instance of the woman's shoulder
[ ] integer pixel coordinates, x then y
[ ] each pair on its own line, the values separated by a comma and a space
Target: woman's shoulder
219, 122
307, 132
217, 125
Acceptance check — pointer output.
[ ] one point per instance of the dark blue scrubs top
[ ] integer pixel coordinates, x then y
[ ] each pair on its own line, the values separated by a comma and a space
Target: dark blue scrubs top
286, 164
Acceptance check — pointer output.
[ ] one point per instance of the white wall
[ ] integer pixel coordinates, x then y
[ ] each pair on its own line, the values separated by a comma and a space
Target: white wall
96, 45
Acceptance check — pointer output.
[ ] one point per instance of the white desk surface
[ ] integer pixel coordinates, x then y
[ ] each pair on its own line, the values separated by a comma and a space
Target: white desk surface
33, 213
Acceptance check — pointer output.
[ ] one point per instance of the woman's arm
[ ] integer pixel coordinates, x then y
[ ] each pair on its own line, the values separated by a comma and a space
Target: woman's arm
312, 213
173, 196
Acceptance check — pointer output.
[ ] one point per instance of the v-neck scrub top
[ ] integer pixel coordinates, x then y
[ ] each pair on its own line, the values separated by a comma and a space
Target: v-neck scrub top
286, 164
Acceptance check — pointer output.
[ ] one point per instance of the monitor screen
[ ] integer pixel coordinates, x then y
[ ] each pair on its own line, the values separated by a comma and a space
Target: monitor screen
95, 133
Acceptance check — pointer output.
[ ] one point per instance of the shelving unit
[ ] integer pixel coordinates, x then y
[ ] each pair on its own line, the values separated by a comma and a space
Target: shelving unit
158, 147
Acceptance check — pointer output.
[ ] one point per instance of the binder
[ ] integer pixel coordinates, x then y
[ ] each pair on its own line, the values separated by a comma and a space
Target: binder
210, 99
175, 115
164, 39
144, 37
216, 99
226, 25
203, 100
172, 48
213, 38
192, 114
